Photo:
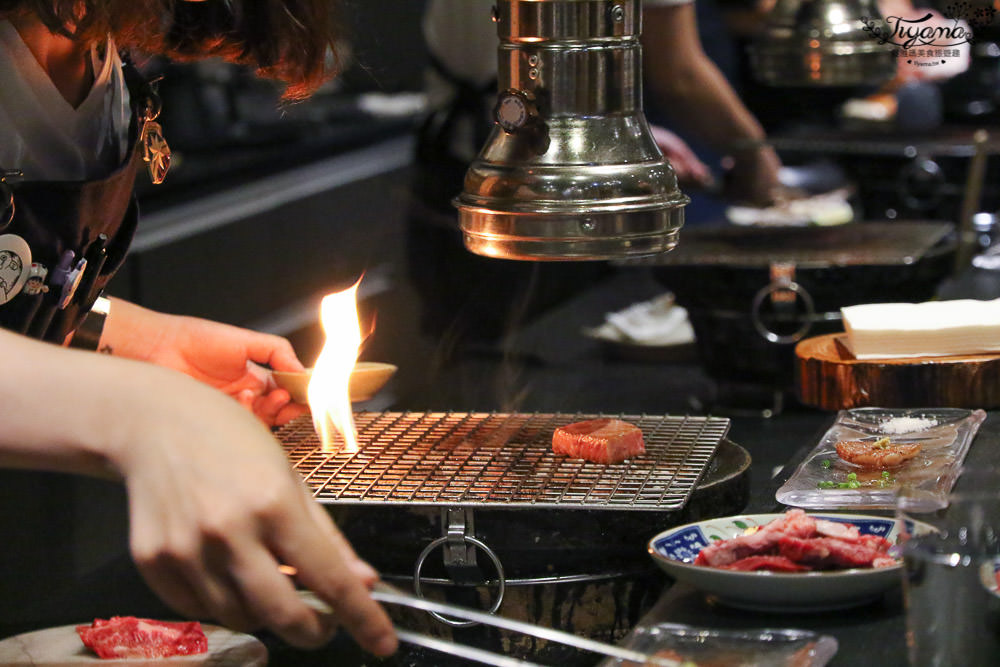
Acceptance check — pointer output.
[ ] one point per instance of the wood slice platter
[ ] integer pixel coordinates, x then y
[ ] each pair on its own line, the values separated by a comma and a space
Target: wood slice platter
829, 377
61, 647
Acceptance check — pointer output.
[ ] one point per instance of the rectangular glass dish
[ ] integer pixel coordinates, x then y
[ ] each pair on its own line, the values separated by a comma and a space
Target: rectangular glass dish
735, 648
824, 481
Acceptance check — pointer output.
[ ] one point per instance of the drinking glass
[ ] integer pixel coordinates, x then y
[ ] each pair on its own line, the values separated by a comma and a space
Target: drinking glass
951, 560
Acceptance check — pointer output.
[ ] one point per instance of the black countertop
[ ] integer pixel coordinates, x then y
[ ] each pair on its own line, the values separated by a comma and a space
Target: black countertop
550, 366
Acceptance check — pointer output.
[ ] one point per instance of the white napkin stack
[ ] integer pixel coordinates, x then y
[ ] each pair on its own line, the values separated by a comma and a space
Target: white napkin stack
657, 322
934, 328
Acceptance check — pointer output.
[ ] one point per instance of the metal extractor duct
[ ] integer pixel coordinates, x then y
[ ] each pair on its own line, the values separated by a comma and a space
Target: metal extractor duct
570, 170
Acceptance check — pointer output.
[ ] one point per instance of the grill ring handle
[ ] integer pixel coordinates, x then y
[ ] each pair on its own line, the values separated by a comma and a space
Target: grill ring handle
798, 291
501, 578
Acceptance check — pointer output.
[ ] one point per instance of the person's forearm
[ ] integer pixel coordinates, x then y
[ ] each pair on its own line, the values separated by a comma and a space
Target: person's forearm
69, 410
697, 97
688, 87
683, 82
131, 331
707, 106
172, 441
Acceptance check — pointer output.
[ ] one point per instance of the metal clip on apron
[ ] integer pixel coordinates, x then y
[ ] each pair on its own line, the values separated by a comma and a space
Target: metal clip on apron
62, 241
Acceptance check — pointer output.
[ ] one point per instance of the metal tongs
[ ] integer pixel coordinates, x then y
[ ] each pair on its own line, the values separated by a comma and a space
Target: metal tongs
388, 594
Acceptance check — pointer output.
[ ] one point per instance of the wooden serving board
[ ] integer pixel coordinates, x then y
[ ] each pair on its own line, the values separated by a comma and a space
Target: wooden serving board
829, 377
61, 647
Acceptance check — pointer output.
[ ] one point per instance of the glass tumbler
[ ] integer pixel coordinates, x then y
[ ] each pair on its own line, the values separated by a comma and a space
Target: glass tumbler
951, 561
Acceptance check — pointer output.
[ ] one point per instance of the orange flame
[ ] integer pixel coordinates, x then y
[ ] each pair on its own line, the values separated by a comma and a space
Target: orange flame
329, 387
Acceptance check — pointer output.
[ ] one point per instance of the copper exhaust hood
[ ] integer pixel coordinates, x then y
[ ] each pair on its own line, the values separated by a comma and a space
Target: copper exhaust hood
570, 170
822, 43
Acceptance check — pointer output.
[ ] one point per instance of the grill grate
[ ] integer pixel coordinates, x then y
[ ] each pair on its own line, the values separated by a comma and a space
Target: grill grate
500, 460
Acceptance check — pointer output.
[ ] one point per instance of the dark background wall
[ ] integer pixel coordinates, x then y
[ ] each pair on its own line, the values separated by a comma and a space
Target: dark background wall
387, 42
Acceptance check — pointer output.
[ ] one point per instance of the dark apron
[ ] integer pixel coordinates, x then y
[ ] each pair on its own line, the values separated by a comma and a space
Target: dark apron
78, 233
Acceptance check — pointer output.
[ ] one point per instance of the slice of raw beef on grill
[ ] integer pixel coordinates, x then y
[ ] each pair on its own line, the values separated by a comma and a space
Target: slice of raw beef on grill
601, 440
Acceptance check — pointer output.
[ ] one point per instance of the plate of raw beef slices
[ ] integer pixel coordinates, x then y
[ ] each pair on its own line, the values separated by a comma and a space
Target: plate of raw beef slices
790, 562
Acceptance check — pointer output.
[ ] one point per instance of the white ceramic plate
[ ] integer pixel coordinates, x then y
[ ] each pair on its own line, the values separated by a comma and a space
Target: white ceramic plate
61, 647
674, 551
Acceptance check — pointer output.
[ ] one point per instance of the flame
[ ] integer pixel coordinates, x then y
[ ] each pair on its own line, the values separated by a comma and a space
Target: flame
329, 387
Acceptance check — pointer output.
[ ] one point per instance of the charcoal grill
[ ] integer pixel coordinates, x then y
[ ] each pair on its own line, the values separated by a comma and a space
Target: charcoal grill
501, 460
753, 292
429, 493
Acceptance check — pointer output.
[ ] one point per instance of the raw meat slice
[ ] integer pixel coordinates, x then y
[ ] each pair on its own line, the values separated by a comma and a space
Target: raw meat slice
826, 552
876, 455
794, 522
772, 563
876, 542
842, 531
796, 539
131, 637
599, 440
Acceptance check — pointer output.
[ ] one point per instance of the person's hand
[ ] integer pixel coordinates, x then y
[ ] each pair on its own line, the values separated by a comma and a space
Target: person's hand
689, 169
215, 509
228, 358
752, 177
214, 506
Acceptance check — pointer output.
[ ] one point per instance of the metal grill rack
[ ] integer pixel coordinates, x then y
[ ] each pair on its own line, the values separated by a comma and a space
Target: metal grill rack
500, 461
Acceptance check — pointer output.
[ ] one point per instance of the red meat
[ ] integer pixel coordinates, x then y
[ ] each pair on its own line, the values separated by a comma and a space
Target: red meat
828, 552
842, 531
794, 522
795, 538
772, 563
599, 440
876, 542
131, 637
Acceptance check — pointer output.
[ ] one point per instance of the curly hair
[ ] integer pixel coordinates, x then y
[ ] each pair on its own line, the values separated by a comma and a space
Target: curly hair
289, 40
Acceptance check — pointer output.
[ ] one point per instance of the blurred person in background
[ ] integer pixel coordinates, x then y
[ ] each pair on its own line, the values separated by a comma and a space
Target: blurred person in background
473, 301
179, 408
684, 86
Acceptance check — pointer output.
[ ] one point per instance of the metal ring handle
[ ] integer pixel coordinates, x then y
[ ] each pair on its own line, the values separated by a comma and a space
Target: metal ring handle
919, 184
6, 204
7, 196
758, 301
501, 579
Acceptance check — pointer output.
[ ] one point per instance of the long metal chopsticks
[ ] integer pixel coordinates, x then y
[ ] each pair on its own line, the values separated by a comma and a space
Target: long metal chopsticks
389, 595
461, 650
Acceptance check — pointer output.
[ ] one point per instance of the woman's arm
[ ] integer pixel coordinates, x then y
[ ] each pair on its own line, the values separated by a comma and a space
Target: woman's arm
234, 360
686, 84
214, 506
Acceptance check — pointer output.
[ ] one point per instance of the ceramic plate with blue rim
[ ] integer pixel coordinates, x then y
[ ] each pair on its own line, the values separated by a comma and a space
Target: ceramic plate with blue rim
674, 551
